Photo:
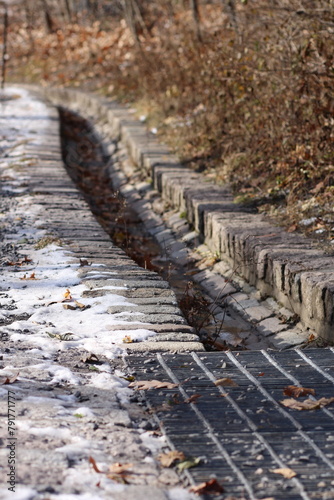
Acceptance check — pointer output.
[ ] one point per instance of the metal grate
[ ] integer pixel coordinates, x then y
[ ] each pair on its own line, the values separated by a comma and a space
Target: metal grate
244, 432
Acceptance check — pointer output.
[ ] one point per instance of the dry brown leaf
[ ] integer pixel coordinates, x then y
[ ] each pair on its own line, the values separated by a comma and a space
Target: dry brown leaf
78, 304
68, 306
31, 277
212, 486
118, 468
285, 472
127, 339
95, 467
143, 385
9, 380
169, 459
67, 295
295, 391
84, 262
308, 404
225, 382
193, 398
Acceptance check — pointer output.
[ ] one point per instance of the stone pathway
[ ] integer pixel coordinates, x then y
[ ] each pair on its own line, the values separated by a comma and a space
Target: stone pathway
71, 302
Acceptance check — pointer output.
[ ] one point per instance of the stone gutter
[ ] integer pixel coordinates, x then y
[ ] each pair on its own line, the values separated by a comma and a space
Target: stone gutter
288, 267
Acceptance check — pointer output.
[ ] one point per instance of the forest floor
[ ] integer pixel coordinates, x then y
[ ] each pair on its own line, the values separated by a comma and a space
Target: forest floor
252, 109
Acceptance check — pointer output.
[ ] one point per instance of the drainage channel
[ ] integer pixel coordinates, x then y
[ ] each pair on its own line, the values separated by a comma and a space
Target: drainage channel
87, 165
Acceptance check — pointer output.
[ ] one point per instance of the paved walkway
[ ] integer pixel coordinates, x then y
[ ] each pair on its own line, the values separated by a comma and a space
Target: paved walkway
71, 303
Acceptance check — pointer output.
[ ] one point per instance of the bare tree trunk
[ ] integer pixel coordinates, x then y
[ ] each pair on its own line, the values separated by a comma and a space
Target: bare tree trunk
68, 10
50, 23
196, 18
231, 12
30, 24
4, 46
134, 18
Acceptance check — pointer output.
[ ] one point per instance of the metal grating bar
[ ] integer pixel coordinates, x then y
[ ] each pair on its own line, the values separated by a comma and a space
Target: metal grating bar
252, 426
210, 430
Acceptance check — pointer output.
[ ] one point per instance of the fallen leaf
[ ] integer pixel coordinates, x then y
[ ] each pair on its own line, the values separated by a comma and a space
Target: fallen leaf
95, 467
119, 472
119, 468
9, 380
67, 295
84, 262
295, 391
225, 382
261, 374
20, 262
90, 358
193, 398
188, 463
59, 336
78, 304
292, 228
212, 486
143, 385
308, 404
31, 277
285, 472
169, 459
68, 306
127, 339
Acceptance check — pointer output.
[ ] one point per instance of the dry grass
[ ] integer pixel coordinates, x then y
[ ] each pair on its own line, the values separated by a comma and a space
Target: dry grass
251, 104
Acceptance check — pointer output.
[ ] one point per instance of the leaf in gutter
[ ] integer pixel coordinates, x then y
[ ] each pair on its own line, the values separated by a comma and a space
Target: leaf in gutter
193, 398
145, 385
285, 472
188, 463
295, 391
308, 404
169, 459
212, 487
225, 382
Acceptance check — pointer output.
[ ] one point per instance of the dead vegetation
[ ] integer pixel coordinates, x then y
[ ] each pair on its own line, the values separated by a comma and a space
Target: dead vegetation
241, 90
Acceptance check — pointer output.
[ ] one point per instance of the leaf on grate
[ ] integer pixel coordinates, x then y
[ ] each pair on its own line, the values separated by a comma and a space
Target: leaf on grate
308, 404
188, 463
296, 392
9, 380
193, 398
212, 487
225, 382
169, 459
143, 385
285, 472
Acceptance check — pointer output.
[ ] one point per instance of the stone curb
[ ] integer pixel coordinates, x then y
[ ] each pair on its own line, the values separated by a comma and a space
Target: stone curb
285, 266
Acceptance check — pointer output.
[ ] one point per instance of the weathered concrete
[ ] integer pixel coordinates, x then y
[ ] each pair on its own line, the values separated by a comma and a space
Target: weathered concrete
282, 265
